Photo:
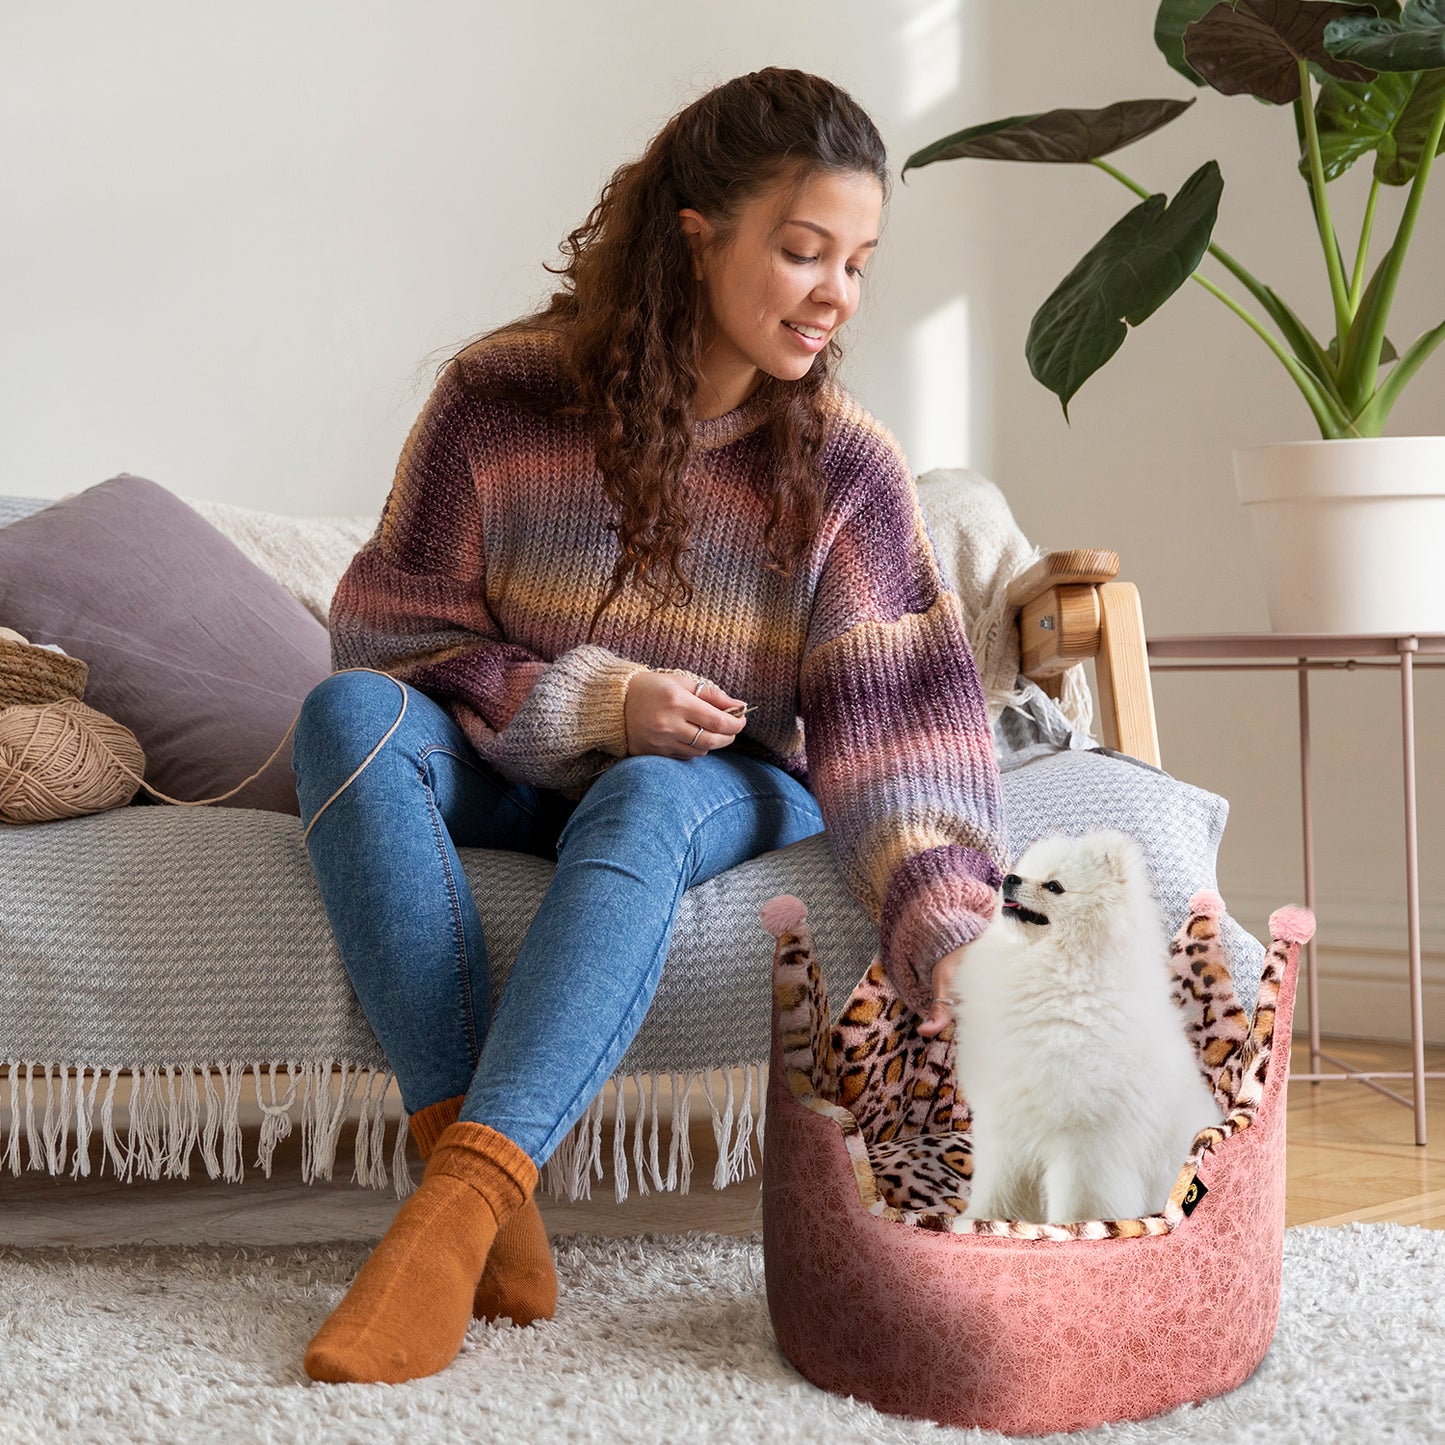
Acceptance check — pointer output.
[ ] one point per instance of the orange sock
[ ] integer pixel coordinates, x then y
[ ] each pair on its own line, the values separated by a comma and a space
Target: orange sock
407, 1311
519, 1282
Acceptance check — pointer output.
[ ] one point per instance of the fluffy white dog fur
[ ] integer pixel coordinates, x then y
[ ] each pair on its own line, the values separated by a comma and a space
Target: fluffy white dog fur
1085, 1090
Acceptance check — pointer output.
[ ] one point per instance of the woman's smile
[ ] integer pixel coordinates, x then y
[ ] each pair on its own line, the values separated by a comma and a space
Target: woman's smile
814, 338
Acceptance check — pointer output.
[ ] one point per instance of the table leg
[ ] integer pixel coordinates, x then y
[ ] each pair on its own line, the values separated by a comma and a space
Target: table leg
1408, 646
1307, 816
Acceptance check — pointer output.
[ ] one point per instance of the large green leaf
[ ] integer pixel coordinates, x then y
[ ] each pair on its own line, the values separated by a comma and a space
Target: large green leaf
1390, 9
1355, 118
1254, 47
1137, 266
1053, 135
1414, 42
1412, 134
1174, 17
1389, 115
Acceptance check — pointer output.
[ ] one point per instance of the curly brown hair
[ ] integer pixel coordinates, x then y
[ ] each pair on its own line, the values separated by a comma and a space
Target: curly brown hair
633, 321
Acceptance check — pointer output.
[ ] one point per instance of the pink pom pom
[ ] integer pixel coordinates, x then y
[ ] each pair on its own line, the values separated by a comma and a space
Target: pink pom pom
1206, 901
784, 914
1292, 925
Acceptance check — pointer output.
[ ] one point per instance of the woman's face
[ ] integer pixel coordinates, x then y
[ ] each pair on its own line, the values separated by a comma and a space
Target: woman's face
785, 284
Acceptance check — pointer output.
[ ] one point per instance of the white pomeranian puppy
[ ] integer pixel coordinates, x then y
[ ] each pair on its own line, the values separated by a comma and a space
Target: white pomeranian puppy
1071, 1053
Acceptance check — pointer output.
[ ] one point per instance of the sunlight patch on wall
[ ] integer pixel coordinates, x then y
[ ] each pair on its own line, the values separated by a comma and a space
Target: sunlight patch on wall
940, 391
931, 42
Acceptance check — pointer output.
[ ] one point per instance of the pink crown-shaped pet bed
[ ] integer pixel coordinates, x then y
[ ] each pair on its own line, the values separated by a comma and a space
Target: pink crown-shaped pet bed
879, 1289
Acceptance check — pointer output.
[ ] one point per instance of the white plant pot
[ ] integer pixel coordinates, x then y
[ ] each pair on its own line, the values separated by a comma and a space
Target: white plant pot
1351, 532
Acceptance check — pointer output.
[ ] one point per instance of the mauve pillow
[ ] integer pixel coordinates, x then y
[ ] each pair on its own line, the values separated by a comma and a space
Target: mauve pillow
194, 648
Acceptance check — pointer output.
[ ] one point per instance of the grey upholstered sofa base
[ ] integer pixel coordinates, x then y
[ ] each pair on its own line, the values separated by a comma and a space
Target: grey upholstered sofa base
190, 949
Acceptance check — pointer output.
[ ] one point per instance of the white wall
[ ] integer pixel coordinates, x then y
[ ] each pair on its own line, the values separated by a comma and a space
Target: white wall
238, 241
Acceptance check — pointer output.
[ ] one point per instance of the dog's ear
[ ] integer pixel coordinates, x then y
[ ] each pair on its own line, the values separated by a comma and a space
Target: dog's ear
1120, 851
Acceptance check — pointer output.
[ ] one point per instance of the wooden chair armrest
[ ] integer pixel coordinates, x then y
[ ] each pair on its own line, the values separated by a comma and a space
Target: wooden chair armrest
1089, 566
1071, 608
1121, 670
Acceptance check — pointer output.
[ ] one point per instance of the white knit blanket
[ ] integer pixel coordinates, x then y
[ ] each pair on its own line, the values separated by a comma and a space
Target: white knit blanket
306, 555
981, 550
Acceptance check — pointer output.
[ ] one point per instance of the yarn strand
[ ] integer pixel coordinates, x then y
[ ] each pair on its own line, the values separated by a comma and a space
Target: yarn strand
64, 759
367, 759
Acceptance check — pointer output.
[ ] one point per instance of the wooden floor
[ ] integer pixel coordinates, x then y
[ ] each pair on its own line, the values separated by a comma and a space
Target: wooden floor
1351, 1152
1350, 1156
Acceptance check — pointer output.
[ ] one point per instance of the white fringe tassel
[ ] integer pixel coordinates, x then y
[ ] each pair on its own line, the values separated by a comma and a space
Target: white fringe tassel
180, 1111
737, 1126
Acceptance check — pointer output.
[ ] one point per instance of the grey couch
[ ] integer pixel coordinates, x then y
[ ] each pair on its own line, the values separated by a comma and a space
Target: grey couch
187, 951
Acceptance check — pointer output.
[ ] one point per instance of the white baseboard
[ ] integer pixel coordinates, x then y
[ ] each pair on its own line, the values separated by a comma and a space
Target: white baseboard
1363, 960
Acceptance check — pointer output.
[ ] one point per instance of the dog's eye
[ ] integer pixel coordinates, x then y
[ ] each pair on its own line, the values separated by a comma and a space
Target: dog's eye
1054, 887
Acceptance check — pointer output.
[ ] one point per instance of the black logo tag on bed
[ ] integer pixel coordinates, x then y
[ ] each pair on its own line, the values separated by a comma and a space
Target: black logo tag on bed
1193, 1195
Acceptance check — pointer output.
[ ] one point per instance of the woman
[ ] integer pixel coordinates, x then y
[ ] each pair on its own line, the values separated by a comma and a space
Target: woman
633, 542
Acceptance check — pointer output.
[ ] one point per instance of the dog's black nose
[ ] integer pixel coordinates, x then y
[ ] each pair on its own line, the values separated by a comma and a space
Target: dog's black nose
1011, 881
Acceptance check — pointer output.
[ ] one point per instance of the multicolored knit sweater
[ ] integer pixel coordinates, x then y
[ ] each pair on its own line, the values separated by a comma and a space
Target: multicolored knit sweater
493, 551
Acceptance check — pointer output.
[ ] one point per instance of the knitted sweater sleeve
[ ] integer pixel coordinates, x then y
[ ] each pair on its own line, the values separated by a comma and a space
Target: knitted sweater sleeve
412, 603
900, 753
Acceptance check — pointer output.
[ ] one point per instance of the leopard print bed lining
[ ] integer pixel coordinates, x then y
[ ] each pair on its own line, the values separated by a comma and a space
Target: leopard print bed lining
891, 1092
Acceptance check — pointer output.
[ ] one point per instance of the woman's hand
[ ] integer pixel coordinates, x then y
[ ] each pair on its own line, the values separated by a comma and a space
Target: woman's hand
940, 1010
666, 716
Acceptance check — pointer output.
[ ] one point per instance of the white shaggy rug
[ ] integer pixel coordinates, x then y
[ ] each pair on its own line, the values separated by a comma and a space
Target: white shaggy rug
659, 1338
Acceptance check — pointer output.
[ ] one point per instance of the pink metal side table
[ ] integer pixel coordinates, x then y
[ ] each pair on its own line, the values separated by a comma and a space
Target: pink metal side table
1304, 653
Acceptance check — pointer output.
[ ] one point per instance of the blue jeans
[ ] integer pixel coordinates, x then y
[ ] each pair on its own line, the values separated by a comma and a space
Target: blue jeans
384, 855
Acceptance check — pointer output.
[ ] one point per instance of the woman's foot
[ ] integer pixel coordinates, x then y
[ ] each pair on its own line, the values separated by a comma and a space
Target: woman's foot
407, 1312
520, 1280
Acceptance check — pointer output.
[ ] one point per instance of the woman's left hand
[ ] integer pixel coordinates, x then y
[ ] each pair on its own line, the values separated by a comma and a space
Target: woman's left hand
940, 1009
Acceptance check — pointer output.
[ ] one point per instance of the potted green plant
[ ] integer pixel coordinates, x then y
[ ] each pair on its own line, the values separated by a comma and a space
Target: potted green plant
1361, 79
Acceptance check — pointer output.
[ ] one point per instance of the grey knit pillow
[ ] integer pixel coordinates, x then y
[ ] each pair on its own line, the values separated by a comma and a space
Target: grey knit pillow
1177, 825
13, 508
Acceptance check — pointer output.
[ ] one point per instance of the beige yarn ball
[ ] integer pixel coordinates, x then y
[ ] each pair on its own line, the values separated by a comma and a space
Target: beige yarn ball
64, 759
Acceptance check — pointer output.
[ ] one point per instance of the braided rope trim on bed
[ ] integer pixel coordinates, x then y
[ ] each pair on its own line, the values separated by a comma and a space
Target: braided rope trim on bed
898, 1086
